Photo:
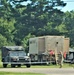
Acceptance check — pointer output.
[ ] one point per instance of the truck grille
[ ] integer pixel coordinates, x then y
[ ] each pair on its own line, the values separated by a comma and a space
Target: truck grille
21, 60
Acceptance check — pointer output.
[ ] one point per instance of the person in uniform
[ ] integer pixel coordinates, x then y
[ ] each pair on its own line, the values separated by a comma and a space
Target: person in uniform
60, 59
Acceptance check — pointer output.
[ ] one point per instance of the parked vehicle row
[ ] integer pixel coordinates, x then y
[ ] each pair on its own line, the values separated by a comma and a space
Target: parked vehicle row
42, 50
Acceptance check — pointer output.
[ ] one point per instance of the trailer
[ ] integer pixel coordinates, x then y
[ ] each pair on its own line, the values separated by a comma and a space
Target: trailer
45, 49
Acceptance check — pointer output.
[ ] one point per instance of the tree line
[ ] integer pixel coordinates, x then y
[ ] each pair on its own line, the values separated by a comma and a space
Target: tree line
20, 22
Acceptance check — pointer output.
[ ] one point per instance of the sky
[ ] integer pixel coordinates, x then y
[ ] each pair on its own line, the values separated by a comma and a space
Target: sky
69, 6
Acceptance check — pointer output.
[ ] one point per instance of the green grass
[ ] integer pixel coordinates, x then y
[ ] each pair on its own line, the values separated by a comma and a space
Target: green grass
65, 65
54, 66
11, 73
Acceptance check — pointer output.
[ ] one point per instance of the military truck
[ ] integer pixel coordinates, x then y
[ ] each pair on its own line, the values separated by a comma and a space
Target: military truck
45, 49
14, 55
69, 58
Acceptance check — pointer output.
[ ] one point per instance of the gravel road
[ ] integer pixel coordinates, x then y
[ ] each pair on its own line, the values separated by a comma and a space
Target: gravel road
46, 71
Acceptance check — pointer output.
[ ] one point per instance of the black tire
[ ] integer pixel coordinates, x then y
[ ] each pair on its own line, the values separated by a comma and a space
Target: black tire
12, 65
19, 65
4, 65
28, 65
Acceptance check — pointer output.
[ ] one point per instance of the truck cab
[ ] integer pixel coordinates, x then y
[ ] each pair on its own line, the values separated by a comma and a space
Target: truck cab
14, 55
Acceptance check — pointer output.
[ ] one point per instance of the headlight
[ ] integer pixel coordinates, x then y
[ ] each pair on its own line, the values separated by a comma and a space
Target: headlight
26, 59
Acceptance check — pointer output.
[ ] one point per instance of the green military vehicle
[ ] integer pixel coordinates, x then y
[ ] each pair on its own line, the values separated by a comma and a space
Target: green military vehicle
15, 55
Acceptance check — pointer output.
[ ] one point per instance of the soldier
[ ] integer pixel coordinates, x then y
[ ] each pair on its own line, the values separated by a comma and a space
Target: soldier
60, 59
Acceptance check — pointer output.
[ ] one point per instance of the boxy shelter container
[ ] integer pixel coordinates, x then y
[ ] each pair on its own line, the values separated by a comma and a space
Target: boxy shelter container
45, 44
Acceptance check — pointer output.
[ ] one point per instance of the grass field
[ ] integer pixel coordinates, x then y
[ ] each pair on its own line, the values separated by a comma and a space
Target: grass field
36, 66
53, 66
11, 73
65, 65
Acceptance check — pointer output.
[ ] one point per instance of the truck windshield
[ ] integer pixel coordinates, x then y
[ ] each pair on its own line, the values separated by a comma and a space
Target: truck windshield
22, 53
17, 53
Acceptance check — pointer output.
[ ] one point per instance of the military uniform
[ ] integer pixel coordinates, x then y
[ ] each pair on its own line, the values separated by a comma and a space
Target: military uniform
60, 59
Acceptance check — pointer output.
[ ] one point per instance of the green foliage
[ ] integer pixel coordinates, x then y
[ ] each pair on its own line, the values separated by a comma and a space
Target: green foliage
39, 17
25, 42
3, 41
69, 24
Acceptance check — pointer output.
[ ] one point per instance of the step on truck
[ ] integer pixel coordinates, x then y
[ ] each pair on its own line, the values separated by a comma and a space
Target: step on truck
14, 55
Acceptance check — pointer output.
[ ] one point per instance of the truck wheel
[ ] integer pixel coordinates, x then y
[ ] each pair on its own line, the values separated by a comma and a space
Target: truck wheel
28, 65
12, 65
19, 65
4, 65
